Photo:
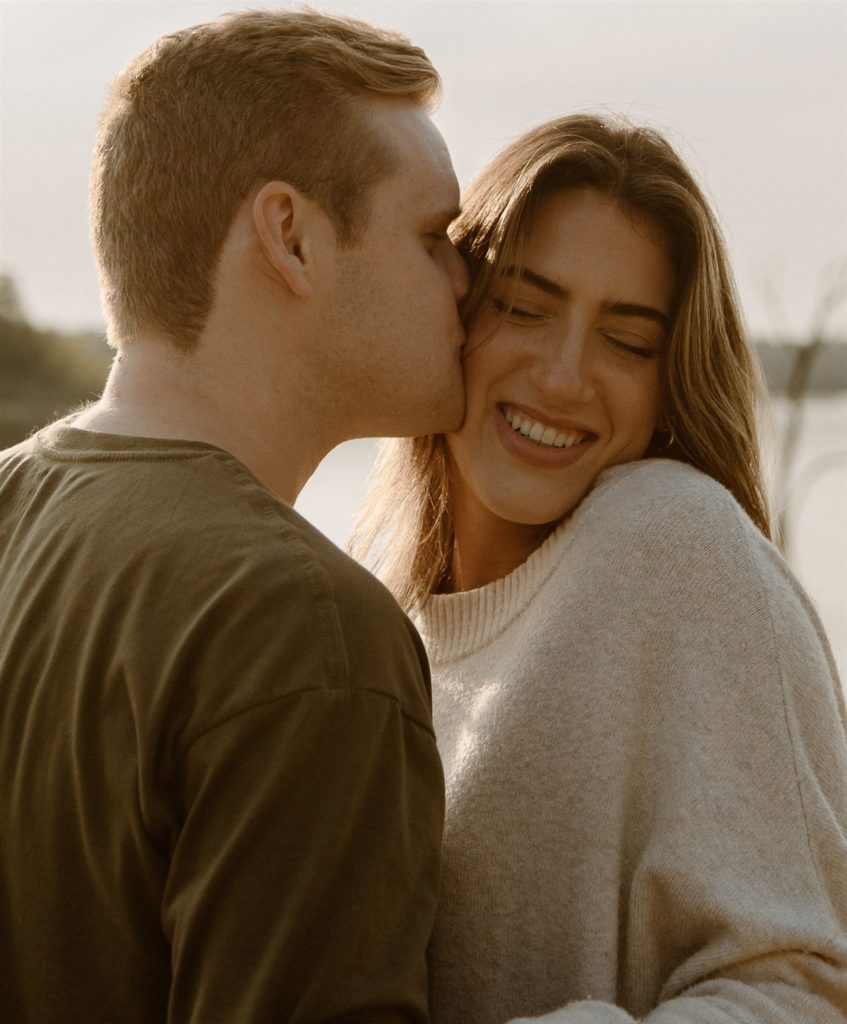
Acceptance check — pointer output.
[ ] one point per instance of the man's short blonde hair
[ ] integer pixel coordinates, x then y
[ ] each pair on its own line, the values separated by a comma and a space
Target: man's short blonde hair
203, 116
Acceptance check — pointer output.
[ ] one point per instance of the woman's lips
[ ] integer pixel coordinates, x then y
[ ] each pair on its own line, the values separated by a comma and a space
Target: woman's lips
540, 428
539, 440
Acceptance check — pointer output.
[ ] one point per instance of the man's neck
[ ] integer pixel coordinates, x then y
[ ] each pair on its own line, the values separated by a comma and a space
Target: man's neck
156, 391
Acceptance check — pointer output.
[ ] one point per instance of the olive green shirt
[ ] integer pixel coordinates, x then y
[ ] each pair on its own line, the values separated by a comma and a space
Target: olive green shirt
220, 795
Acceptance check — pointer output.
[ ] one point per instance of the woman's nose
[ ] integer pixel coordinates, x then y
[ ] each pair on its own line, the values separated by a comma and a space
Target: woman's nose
563, 372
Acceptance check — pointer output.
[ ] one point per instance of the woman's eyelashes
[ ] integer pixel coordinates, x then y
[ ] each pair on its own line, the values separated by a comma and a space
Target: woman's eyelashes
512, 312
519, 315
631, 348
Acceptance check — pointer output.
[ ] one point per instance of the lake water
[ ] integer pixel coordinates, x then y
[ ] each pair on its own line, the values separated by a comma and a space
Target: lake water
817, 506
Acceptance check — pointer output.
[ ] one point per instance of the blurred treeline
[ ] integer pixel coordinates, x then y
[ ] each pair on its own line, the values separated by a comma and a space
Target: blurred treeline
45, 373
827, 372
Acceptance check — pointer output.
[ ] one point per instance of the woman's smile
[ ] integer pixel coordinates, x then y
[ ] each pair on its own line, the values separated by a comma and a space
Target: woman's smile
539, 439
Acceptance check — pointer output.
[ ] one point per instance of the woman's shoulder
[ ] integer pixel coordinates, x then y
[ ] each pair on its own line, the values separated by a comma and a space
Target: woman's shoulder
660, 485
663, 527
655, 501
671, 531
666, 539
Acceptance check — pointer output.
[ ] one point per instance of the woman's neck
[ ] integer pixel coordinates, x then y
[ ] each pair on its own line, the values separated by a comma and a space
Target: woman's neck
487, 548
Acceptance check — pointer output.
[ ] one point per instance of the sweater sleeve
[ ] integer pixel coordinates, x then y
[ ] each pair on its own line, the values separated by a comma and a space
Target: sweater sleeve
737, 901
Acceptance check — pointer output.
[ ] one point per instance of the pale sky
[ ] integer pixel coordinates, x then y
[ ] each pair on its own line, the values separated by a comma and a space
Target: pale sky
753, 93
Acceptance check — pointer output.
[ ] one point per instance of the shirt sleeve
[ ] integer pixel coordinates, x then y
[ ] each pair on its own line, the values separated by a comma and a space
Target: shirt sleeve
737, 910
303, 881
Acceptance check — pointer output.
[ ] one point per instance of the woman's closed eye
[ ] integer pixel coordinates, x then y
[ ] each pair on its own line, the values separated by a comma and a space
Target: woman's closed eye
630, 347
516, 313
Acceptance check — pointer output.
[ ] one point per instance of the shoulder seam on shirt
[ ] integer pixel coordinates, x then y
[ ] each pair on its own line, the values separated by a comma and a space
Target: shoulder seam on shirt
331, 632
370, 691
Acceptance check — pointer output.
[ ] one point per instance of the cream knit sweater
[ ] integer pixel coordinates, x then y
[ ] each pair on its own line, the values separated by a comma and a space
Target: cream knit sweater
644, 745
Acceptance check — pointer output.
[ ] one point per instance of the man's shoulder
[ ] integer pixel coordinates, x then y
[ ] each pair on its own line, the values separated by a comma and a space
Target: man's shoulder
377, 642
17, 457
234, 585
275, 589
275, 609
187, 511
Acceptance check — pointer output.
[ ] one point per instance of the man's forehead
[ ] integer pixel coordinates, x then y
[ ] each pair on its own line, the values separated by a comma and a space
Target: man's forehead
409, 130
422, 182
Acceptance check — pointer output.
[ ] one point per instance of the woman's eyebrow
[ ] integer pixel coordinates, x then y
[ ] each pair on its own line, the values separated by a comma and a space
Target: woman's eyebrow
545, 284
636, 309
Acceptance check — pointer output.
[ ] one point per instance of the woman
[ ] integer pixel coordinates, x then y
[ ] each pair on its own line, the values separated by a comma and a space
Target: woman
642, 730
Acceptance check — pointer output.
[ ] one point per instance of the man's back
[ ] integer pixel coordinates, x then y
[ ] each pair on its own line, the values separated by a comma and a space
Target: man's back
220, 789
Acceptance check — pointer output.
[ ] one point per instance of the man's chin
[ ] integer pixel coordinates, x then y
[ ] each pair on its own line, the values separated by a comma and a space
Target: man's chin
442, 416
450, 417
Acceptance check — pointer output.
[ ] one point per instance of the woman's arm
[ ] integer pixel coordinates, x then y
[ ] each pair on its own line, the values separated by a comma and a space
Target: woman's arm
737, 905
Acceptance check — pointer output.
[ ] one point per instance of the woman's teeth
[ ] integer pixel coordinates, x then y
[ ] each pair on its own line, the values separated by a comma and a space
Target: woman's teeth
541, 434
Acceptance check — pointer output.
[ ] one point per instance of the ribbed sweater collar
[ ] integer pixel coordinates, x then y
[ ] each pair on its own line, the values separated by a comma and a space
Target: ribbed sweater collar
454, 626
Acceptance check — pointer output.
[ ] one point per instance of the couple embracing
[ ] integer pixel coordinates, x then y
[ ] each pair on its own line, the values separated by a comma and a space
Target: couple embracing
224, 758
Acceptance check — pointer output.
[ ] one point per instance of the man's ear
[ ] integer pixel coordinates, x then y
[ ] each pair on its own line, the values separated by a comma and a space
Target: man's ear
283, 219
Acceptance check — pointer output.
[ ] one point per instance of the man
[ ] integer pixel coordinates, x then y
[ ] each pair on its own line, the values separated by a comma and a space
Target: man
221, 795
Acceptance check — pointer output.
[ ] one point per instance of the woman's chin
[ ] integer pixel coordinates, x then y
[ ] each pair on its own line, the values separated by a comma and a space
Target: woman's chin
533, 512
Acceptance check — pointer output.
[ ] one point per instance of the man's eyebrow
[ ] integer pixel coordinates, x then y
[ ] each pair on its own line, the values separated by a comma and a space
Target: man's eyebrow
619, 308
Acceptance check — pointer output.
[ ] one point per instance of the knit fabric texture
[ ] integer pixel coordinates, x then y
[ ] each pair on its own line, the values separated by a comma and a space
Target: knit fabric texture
645, 750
